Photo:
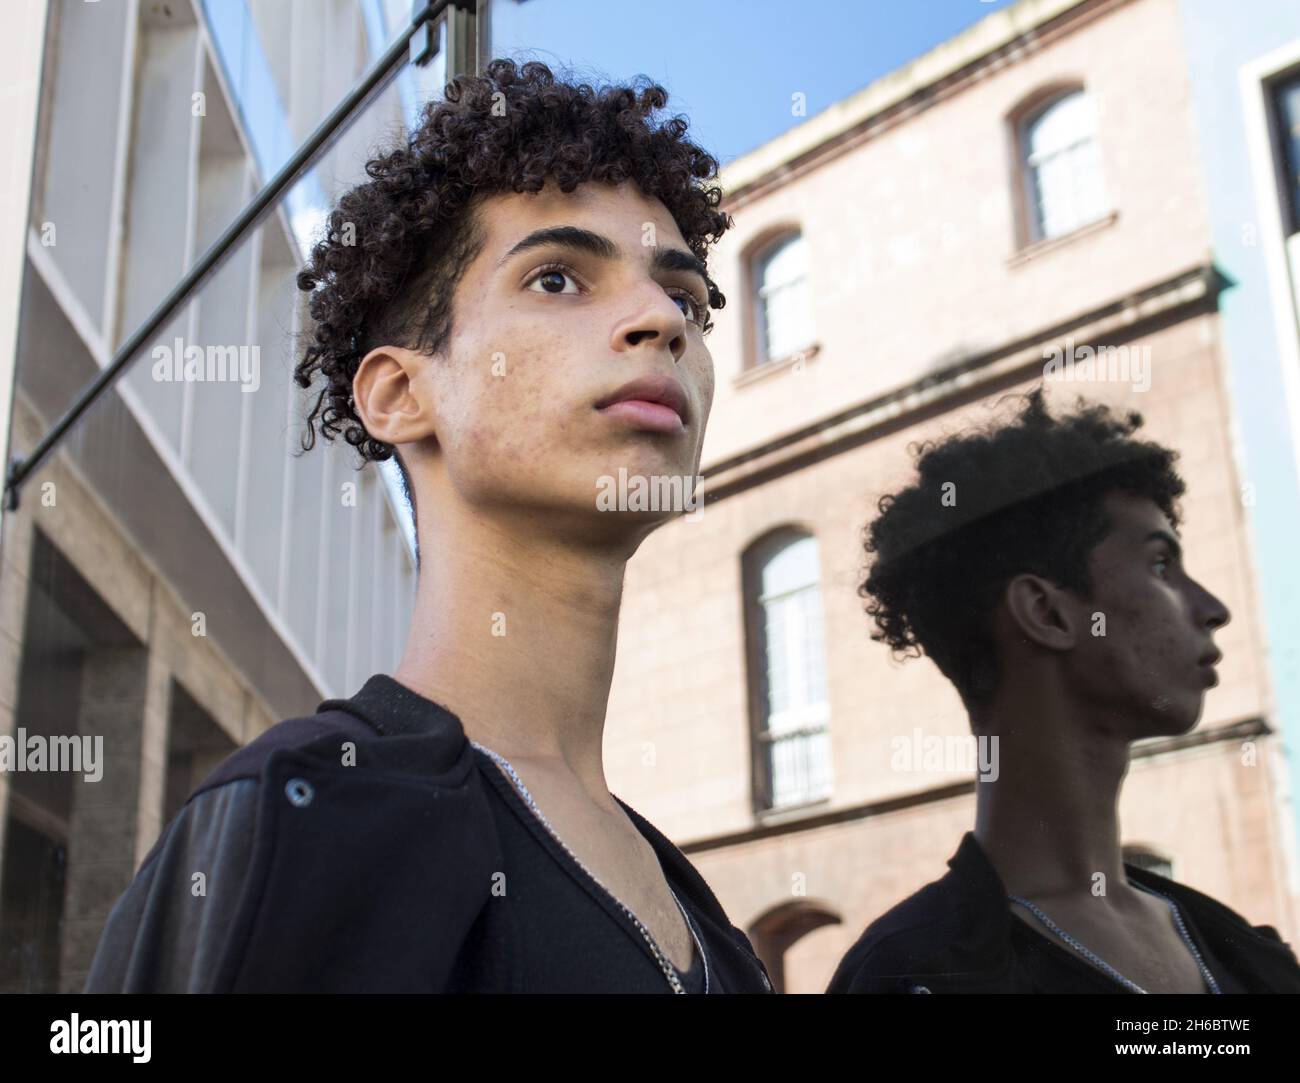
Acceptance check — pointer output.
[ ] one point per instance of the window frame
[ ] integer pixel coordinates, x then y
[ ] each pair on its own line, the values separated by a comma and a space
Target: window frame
1021, 120
753, 561
761, 250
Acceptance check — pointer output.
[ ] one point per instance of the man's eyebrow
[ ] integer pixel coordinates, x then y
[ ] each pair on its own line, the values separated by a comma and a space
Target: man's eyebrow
1168, 539
676, 259
584, 240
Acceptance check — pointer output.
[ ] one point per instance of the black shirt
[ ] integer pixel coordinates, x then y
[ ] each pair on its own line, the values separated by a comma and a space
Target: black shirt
693, 979
427, 873
959, 935
1044, 953
573, 934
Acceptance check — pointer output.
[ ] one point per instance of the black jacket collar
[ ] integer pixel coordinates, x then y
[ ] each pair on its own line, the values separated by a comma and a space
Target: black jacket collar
393, 710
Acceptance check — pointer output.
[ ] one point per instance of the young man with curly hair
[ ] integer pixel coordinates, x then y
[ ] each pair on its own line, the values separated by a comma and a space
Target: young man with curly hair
1037, 563
515, 304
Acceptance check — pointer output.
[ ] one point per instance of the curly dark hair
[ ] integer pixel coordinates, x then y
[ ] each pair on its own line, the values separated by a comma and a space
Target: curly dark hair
397, 244
1028, 498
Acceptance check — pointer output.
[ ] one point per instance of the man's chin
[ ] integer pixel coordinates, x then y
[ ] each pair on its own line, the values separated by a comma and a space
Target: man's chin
649, 497
636, 526
615, 529
1173, 716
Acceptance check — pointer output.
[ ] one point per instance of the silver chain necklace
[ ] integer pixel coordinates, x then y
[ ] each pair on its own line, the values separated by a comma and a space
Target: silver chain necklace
1098, 961
670, 972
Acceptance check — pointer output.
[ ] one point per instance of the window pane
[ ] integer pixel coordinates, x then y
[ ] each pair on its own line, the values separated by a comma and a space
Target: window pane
783, 299
798, 747
794, 566
786, 263
1064, 166
1063, 124
1288, 138
788, 325
778, 691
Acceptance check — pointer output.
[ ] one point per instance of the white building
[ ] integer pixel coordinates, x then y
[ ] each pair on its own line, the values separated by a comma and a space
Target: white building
174, 579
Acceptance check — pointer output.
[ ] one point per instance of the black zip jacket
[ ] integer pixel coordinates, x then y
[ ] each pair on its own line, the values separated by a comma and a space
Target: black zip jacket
372, 848
959, 935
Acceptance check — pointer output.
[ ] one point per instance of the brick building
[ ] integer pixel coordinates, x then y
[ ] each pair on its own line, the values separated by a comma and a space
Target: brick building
899, 262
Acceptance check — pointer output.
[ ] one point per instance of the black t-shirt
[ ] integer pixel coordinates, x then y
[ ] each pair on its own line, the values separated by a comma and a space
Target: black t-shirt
1059, 967
960, 934
573, 935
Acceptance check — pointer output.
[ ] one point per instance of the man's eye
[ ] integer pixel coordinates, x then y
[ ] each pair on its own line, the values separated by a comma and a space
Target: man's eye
553, 280
694, 310
1162, 563
558, 280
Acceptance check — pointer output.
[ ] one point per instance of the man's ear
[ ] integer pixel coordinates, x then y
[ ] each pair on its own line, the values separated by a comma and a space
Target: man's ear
1041, 612
394, 396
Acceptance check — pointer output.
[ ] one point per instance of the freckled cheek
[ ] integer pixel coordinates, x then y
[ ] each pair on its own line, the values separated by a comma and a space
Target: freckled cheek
523, 389
706, 407
701, 383
702, 371
516, 421
1149, 648
1121, 654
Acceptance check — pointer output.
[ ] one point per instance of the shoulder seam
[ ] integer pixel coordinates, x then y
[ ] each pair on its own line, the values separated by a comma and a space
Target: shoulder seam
166, 833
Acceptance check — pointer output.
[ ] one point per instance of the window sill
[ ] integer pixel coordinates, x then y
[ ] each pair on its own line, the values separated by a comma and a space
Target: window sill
1038, 248
769, 816
770, 368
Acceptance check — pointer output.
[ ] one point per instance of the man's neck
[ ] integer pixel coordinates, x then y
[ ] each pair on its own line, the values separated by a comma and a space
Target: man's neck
1049, 823
516, 634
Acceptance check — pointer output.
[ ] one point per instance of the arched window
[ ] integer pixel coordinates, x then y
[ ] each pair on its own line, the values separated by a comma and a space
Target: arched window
791, 714
1062, 166
775, 932
782, 303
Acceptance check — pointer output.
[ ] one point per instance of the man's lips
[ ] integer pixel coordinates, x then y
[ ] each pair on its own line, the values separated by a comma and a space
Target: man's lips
655, 402
645, 415
1206, 664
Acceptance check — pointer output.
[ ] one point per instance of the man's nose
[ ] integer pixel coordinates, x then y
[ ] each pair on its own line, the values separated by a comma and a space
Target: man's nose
1211, 611
658, 320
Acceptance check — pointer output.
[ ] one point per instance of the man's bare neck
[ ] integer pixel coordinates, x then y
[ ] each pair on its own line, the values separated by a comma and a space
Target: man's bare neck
520, 645
1049, 822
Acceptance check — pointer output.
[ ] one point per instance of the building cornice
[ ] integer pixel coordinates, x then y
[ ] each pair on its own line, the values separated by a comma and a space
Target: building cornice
997, 40
1141, 312
1233, 732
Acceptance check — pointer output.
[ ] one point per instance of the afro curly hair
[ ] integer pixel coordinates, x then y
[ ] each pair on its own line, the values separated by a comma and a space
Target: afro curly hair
1029, 499
397, 244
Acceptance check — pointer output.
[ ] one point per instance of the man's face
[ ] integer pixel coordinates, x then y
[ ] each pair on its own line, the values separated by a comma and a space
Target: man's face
1150, 670
547, 331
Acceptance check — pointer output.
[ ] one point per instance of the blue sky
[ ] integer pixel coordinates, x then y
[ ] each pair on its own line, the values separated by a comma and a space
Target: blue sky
732, 66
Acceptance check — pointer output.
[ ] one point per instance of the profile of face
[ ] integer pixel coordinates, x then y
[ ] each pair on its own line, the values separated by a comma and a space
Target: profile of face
576, 351
1148, 674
